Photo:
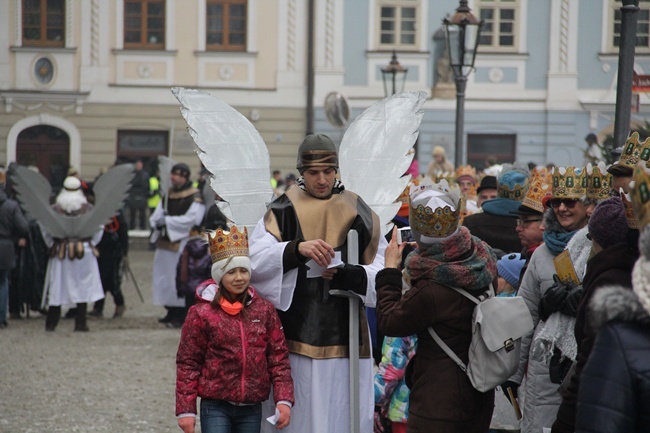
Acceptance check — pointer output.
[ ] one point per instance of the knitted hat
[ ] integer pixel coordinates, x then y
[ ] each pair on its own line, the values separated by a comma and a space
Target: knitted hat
439, 150
71, 183
608, 224
181, 169
229, 250
509, 268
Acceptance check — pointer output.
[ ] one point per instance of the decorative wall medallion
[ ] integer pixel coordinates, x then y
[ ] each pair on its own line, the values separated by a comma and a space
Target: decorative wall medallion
496, 75
44, 70
226, 72
144, 70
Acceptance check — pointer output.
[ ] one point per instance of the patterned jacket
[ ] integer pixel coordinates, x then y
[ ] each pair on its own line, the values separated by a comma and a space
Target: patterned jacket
232, 358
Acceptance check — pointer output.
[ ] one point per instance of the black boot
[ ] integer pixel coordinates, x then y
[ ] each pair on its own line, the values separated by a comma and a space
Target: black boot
52, 318
168, 317
80, 318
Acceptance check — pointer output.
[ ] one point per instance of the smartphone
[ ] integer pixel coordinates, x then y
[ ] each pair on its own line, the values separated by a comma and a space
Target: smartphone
404, 235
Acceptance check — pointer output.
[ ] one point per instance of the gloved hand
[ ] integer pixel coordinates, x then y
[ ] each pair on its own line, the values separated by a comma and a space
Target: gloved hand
572, 301
553, 298
350, 277
512, 385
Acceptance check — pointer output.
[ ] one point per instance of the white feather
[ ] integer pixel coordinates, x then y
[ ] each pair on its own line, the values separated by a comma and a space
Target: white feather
233, 151
373, 155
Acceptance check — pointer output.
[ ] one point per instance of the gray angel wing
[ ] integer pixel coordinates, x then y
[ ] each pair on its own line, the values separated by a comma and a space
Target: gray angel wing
165, 165
111, 191
374, 152
33, 193
233, 151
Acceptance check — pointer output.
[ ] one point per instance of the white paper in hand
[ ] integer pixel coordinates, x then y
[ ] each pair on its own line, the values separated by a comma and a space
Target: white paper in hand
273, 419
315, 270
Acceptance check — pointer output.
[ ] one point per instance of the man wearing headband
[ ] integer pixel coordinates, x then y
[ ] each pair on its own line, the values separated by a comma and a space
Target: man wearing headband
302, 228
172, 224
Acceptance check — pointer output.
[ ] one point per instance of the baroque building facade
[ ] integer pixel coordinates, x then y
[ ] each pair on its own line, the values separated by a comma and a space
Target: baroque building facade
86, 83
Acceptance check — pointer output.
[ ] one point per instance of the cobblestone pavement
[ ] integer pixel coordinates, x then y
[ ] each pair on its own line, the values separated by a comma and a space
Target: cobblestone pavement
119, 377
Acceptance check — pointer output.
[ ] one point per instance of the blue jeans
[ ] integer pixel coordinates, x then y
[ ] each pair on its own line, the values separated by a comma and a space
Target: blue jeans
219, 416
4, 294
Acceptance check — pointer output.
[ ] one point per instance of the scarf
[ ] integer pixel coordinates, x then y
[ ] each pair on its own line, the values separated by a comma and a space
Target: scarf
555, 236
461, 260
232, 308
336, 189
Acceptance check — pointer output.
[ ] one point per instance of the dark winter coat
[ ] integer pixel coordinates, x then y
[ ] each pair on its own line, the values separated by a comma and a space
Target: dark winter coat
194, 266
13, 226
442, 398
614, 393
498, 231
612, 266
231, 357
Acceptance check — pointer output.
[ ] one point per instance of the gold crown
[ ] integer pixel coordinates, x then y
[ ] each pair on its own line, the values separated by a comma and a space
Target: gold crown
538, 191
438, 223
640, 195
466, 170
599, 181
225, 244
635, 151
515, 193
571, 184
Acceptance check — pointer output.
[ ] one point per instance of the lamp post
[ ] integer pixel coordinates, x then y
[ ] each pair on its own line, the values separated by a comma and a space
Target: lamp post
462, 32
392, 72
622, 115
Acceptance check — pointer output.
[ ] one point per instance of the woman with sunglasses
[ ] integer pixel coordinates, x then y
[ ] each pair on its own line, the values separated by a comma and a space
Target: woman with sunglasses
567, 211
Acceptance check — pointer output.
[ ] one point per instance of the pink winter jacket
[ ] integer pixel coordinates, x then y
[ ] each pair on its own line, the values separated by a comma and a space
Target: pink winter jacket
232, 358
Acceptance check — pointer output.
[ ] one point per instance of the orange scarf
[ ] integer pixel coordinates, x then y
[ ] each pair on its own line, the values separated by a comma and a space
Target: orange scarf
229, 307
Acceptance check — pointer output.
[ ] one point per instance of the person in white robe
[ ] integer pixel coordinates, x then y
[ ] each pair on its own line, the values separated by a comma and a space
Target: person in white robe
308, 226
171, 225
72, 276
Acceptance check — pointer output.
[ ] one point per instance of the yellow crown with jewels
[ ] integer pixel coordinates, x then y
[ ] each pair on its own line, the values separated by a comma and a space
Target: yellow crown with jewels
538, 191
440, 222
599, 181
466, 170
640, 195
569, 182
635, 151
226, 244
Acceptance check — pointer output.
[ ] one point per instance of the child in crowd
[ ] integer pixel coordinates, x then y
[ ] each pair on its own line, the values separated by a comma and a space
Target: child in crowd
232, 348
194, 267
509, 267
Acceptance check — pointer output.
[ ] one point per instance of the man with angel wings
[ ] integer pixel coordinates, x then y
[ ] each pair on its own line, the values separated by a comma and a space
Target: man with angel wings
307, 226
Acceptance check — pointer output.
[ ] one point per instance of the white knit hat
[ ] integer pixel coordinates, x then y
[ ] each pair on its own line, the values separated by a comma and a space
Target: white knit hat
229, 250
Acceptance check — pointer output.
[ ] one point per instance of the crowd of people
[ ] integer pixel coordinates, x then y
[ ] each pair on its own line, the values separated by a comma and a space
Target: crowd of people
265, 345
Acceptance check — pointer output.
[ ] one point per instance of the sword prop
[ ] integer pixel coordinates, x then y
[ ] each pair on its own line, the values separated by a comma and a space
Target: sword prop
353, 304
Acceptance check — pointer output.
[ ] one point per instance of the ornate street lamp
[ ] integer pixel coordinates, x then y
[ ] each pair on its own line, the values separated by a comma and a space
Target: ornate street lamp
394, 72
462, 32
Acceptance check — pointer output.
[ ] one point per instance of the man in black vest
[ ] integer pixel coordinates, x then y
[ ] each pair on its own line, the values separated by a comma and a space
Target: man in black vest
303, 228
172, 223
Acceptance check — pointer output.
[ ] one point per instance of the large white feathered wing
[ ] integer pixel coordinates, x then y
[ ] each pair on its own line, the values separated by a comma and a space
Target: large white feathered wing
233, 151
373, 156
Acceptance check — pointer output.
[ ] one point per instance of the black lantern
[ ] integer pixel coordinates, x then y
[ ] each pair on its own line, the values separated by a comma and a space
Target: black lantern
394, 72
462, 31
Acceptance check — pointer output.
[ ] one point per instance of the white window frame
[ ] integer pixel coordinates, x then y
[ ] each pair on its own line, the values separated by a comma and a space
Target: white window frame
419, 25
517, 31
612, 7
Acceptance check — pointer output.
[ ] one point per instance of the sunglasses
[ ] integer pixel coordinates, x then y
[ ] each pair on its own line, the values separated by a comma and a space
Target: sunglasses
569, 203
